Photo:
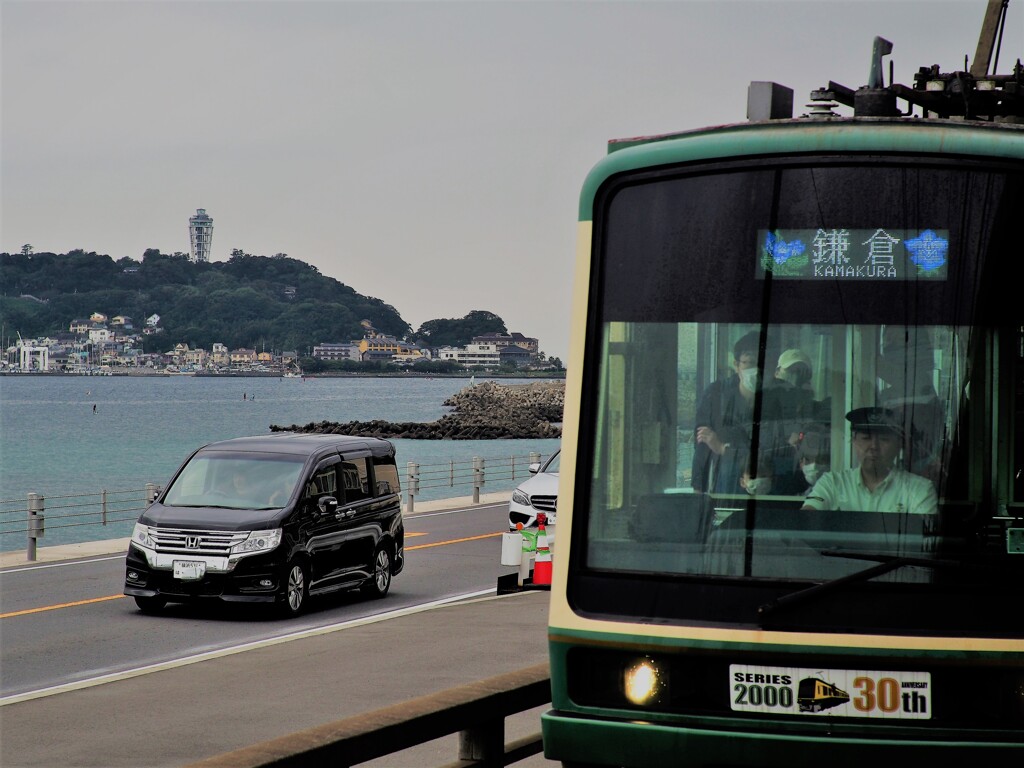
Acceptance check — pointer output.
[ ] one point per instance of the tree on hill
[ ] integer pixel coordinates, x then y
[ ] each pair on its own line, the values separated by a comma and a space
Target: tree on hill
459, 332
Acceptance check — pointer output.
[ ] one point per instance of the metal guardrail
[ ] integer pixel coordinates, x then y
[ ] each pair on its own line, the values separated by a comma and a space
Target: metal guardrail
475, 472
34, 515
100, 508
476, 712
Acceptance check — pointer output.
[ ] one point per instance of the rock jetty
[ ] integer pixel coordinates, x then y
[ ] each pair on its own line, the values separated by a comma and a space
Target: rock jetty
485, 411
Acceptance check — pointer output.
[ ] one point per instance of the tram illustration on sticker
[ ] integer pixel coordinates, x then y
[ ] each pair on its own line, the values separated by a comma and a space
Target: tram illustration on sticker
814, 695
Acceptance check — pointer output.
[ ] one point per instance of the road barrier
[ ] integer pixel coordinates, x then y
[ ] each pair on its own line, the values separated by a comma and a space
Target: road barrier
476, 712
475, 472
53, 513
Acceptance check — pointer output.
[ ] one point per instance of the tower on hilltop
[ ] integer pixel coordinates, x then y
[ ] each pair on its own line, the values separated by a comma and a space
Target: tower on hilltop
200, 228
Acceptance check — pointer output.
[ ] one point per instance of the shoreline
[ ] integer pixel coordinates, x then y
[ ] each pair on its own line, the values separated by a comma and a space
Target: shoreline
554, 375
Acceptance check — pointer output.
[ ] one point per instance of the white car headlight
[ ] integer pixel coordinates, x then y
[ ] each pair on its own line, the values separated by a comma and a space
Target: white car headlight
520, 498
258, 541
142, 537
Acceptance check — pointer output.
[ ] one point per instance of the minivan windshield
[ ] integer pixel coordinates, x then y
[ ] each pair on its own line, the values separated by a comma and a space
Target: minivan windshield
235, 480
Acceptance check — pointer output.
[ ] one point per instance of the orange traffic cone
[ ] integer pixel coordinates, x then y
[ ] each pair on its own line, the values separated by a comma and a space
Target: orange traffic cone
542, 564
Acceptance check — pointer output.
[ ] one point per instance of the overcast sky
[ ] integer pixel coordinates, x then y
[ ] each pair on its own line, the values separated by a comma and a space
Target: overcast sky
429, 154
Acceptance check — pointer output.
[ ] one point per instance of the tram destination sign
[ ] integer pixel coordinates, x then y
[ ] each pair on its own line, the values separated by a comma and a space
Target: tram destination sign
853, 254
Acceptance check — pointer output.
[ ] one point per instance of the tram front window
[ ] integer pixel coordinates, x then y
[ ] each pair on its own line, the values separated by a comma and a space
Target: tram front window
714, 477
762, 411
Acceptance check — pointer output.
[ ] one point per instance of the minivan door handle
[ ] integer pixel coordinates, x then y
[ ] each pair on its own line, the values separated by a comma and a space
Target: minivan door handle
343, 515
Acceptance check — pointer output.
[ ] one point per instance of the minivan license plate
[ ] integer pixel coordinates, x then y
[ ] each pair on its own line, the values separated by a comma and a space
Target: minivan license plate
189, 570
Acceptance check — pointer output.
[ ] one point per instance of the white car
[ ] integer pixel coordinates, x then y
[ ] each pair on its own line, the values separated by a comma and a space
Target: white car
538, 494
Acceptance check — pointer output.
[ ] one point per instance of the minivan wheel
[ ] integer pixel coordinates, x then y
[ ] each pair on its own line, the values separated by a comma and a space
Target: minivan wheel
296, 589
150, 604
379, 584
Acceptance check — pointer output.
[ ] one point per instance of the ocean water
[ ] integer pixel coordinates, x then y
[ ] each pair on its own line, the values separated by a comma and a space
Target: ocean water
68, 435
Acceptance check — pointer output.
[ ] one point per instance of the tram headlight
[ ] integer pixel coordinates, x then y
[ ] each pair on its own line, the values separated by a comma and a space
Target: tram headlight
642, 682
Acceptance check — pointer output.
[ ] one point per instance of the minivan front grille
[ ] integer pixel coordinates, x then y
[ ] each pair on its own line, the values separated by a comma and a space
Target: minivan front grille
192, 542
544, 503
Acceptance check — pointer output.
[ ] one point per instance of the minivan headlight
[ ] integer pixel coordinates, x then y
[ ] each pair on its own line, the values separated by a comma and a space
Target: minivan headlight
142, 537
258, 541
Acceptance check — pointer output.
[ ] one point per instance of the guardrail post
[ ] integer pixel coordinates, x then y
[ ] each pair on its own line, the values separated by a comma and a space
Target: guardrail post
152, 491
412, 485
36, 523
485, 744
103, 506
478, 478
534, 457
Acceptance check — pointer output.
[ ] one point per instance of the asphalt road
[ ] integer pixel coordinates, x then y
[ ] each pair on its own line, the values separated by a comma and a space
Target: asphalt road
88, 680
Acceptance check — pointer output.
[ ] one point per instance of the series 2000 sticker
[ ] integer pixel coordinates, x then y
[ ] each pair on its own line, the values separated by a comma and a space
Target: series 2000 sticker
835, 692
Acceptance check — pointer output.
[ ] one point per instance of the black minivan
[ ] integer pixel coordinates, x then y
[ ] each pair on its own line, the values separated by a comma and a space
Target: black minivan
271, 519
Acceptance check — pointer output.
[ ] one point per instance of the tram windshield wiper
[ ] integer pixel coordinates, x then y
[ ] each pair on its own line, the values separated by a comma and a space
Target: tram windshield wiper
886, 564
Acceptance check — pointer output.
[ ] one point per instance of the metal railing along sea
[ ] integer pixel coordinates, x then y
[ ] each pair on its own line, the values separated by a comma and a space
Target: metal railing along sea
74, 518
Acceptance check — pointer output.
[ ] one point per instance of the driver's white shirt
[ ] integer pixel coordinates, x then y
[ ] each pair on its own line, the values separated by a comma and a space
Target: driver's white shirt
901, 491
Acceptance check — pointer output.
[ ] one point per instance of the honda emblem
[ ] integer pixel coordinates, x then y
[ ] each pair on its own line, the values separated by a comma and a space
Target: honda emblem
191, 542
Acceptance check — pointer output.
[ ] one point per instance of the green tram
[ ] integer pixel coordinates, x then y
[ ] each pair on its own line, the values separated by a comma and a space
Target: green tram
759, 307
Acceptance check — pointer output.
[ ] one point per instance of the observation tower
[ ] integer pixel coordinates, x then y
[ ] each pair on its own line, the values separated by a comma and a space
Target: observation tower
200, 229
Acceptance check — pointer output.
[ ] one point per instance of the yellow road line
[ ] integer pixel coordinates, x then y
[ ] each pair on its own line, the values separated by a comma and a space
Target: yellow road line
454, 541
45, 608
62, 605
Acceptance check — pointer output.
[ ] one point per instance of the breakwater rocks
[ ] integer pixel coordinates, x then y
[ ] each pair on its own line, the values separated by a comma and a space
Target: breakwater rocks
485, 411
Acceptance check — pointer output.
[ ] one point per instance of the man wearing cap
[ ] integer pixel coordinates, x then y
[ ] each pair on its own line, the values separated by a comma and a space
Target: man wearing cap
791, 389
877, 484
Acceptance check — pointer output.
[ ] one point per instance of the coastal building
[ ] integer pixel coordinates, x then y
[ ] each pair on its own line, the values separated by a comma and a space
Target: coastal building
242, 357
99, 334
331, 351
200, 229
513, 339
195, 358
481, 356
178, 353
513, 355
473, 355
219, 355
378, 346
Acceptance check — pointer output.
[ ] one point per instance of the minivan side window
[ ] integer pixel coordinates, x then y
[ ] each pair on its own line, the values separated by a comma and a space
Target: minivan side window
355, 479
324, 482
386, 474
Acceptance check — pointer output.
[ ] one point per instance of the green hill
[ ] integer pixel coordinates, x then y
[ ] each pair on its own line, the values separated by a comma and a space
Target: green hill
248, 301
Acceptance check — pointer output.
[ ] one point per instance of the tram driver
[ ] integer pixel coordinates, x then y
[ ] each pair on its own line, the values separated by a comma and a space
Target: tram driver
876, 484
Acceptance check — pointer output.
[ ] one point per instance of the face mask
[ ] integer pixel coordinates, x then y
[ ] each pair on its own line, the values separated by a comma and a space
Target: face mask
749, 378
756, 485
811, 473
